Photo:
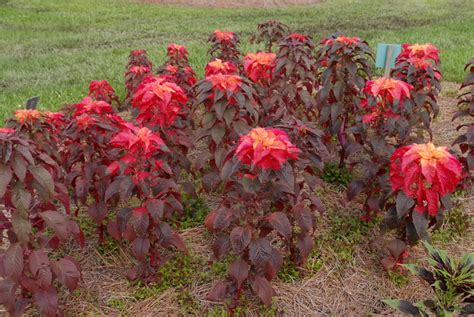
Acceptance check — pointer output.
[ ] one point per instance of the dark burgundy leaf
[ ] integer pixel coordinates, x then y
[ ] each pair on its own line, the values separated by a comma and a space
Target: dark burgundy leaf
396, 247
218, 291
404, 204
21, 198
260, 251
43, 177
239, 271
13, 261
39, 266
21, 225
98, 211
240, 238
47, 301
264, 290
140, 248
178, 242
218, 132
354, 188
388, 263
113, 230
5, 178
140, 222
113, 189
67, 272
219, 219
164, 233
273, 265
57, 222
7, 292
305, 245
304, 217
210, 181
19, 167
220, 246
155, 208
421, 224
279, 221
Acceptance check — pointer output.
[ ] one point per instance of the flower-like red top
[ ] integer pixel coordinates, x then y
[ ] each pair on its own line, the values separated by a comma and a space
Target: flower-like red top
171, 69
424, 172
423, 51
57, 119
138, 52
225, 82
222, 36
266, 148
139, 141
177, 51
388, 89
419, 63
217, 67
159, 101
7, 130
344, 40
347, 40
91, 106
298, 37
140, 70
85, 120
260, 66
27, 116
101, 90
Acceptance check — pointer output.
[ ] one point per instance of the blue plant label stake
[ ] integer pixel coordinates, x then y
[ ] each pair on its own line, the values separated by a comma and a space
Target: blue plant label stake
386, 56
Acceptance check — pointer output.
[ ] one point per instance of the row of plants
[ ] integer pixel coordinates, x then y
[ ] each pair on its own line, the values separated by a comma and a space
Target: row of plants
256, 132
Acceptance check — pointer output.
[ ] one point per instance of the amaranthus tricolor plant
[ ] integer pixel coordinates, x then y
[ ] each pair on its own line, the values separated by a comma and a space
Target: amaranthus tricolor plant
270, 33
466, 109
264, 200
343, 68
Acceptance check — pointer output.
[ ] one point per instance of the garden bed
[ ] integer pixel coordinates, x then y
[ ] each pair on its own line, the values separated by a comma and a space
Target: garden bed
342, 276
289, 181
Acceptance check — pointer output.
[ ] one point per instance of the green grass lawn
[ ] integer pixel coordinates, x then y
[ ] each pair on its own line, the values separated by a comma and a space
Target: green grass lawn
54, 48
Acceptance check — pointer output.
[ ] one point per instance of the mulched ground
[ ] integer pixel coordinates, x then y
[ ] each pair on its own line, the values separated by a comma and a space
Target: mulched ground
328, 285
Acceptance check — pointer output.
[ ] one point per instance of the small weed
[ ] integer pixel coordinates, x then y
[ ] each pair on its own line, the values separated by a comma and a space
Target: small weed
398, 279
188, 304
116, 303
195, 211
455, 226
289, 272
336, 175
180, 272
346, 232
314, 263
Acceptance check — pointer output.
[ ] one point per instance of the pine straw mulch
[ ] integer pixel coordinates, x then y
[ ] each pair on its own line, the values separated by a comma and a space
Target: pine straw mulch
331, 283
